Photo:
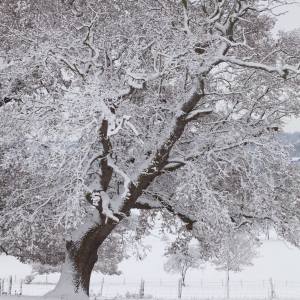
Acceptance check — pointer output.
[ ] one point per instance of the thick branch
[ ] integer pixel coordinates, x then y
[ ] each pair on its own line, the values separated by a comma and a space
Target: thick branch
282, 71
106, 170
160, 160
189, 222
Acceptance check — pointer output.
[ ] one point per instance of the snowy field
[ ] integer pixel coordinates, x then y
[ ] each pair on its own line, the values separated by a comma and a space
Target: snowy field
41, 298
169, 290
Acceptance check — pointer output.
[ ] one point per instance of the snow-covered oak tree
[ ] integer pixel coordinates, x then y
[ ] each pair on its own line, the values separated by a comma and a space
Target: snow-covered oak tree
237, 252
170, 105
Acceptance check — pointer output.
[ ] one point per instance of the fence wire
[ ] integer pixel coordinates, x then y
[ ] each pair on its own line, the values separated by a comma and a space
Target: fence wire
259, 289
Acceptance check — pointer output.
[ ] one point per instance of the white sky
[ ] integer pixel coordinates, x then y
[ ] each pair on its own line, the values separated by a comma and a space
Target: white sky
290, 21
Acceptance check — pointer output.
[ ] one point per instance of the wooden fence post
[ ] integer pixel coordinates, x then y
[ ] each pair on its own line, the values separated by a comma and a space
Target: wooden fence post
101, 289
272, 292
1, 287
2, 284
179, 288
21, 285
9, 285
142, 289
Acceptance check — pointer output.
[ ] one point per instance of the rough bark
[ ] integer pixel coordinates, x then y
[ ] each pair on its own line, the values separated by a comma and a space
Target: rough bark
81, 256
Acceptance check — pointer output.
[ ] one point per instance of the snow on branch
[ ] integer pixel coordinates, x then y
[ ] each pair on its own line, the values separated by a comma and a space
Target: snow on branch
198, 113
115, 126
232, 44
134, 84
136, 80
150, 203
186, 27
134, 130
282, 71
124, 92
89, 163
119, 171
137, 76
105, 206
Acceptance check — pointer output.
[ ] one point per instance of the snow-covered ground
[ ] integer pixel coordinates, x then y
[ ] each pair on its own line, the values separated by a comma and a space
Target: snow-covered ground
5, 297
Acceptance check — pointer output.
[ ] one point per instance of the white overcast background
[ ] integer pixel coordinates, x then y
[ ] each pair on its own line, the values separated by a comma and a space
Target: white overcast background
289, 21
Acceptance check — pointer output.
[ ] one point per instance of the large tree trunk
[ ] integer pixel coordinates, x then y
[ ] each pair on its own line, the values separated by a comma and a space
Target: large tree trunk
81, 255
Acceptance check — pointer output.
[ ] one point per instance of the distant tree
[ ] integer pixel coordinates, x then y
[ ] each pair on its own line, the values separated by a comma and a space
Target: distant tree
181, 261
28, 278
41, 269
236, 252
